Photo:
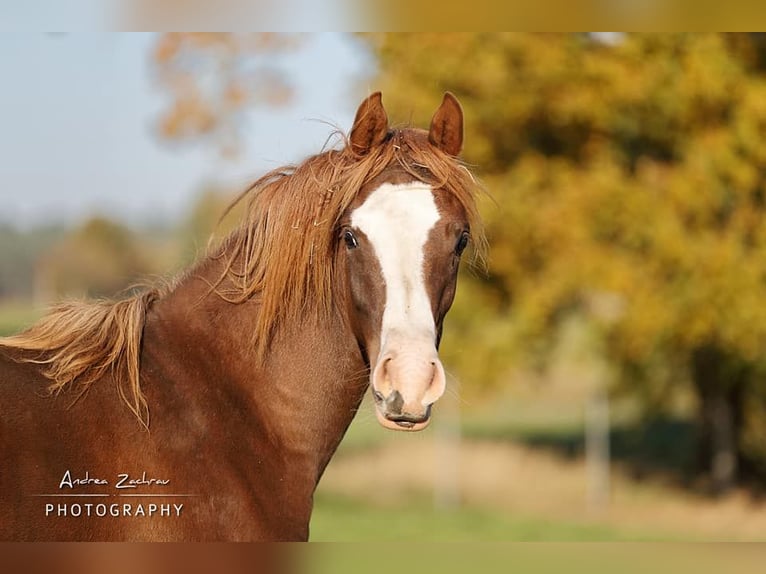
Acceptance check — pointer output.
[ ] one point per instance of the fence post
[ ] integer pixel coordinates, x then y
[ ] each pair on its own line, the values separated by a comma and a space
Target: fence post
447, 438
597, 453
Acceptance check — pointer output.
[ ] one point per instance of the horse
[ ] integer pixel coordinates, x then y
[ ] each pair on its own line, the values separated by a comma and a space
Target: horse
254, 361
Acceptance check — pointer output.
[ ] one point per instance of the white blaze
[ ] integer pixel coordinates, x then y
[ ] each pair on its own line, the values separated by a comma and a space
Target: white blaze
397, 220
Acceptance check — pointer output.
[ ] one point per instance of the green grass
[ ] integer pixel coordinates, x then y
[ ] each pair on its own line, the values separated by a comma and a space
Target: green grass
14, 316
550, 558
338, 519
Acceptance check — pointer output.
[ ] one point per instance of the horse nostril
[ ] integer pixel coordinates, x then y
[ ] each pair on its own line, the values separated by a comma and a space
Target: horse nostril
394, 402
378, 396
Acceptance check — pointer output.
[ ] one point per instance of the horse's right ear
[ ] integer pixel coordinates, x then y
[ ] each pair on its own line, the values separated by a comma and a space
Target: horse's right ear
370, 125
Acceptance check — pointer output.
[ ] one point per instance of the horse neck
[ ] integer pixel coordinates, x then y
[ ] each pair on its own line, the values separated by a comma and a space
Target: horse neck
303, 393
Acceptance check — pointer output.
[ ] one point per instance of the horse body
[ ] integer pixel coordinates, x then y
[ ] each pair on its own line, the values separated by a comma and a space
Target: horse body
249, 395
246, 441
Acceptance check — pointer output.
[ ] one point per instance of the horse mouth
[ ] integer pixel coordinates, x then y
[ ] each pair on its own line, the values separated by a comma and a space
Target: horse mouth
402, 422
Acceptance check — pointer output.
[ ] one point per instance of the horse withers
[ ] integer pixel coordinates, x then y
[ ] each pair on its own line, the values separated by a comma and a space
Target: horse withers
208, 409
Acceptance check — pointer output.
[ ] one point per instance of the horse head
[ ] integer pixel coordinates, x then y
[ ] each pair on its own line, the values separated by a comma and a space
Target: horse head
401, 242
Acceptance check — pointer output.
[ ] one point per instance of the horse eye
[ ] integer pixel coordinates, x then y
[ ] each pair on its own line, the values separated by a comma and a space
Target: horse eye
462, 243
350, 239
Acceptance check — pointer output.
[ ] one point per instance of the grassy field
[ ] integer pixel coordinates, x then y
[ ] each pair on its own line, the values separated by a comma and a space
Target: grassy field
509, 491
340, 519
517, 472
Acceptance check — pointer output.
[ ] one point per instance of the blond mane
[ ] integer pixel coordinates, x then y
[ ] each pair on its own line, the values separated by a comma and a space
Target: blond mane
82, 342
282, 254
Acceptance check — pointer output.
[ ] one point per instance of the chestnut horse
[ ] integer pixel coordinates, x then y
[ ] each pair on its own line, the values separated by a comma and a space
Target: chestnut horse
253, 363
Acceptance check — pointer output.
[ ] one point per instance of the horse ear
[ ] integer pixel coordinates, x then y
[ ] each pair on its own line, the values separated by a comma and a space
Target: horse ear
446, 131
370, 125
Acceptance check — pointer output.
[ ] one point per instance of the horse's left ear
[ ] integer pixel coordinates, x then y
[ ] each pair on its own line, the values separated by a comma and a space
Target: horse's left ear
446, 131
370, 125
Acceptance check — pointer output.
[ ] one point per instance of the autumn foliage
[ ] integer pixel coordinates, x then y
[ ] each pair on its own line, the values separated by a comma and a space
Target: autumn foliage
629, 176
212, 79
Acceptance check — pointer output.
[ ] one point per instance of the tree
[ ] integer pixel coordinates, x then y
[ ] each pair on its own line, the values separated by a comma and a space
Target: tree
210, 219
214, 78
630, 184
18, 252
98, 259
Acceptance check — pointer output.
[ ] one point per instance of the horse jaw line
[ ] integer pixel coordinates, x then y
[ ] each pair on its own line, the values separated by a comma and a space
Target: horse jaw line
397, 220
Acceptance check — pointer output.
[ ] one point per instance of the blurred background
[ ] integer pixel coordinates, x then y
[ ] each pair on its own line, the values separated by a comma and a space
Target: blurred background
607, 367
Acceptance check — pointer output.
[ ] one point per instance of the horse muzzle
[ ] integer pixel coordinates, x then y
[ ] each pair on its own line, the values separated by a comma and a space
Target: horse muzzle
406, 382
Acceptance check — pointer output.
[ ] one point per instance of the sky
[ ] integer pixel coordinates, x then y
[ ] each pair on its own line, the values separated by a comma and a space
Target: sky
76, 127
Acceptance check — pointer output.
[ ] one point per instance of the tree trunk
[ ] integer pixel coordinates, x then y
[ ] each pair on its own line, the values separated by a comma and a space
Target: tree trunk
719, 390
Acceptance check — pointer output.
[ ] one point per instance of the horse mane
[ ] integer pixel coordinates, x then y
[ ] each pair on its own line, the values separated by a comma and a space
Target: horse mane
282, 253
81, 341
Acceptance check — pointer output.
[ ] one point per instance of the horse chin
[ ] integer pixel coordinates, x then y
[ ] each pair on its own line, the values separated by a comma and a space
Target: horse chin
400, 425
